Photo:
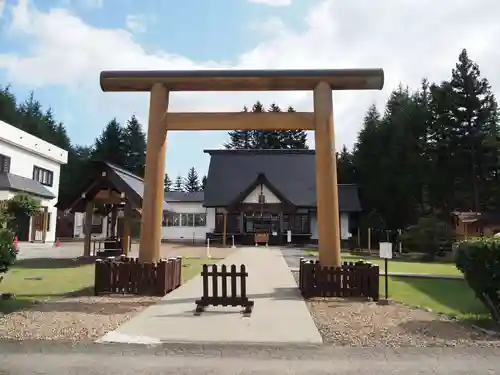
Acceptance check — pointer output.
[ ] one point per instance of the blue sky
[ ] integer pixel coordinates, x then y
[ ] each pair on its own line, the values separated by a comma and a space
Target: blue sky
58, 47
200, 30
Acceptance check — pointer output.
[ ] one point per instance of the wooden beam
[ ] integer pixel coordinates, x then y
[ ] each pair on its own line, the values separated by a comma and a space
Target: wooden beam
45, 223
242, 80
152, 203
224, 231
89, 213
127, 221
241, 121
327, 199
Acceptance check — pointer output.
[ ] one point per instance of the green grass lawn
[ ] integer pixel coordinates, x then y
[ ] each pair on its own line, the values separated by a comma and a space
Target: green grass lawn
450, 297
40, 279
404, 266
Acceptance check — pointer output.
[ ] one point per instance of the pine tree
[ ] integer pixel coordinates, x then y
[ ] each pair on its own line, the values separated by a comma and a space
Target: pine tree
134, 144
475, 113
178, 184
192, 182
239, 139
109, 146
167, 182
8, 107
203, 182
294, 139
345, 167
30, 119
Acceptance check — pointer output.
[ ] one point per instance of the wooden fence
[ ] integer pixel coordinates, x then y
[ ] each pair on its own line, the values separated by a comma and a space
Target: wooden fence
210, 277
127, 275
358, 279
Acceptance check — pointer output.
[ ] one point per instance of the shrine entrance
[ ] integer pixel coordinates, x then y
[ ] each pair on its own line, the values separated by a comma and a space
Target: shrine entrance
161, 83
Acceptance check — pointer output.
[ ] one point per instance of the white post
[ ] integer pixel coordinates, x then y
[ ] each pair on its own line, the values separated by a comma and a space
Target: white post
209, 254
233, 246
289, 236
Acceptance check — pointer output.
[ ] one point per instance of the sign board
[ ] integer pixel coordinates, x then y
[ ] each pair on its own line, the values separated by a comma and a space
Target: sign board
275, 233
385, 249
289, 236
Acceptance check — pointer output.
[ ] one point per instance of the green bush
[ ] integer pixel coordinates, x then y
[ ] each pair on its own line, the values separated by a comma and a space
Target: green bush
8, 252
427, 236
479, 260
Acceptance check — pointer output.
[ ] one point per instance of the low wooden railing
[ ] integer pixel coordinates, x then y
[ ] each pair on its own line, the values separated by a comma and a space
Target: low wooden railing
128, 276
358, 279
236, 280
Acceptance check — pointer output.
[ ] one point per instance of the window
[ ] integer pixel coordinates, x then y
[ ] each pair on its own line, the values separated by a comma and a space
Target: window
200, 220
96, 219
4, 164
187, 220
43, 176
172, 220
184, 220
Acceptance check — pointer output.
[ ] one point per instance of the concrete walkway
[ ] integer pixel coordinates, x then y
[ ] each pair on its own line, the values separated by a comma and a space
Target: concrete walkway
280, 315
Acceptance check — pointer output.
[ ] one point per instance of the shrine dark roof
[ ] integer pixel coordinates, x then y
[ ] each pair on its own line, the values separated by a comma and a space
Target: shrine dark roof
291, 172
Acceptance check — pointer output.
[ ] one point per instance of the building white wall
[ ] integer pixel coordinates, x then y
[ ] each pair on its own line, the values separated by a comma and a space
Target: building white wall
253, 197
344, 226
26, 151
189, 233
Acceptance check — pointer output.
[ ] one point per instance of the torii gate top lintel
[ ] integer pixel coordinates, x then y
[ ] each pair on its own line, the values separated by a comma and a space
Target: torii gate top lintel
242, 80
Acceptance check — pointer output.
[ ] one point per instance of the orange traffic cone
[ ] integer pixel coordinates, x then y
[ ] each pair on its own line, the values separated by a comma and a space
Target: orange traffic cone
16, 245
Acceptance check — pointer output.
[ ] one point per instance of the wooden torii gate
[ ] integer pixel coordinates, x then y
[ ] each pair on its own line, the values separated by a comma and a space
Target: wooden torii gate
161, 83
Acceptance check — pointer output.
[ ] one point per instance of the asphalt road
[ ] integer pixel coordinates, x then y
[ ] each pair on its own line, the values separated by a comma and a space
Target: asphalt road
103, 360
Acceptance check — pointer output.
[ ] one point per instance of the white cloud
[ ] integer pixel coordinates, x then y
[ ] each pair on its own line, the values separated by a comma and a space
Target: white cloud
272, 3
409, 39
136, 23
269, 27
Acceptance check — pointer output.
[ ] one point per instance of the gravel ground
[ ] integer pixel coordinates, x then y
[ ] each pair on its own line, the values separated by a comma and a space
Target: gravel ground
358, 322
84, 317
72, 319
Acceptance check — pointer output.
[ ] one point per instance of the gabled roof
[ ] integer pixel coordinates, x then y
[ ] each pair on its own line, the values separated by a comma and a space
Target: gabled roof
181, 196
121, 179
260, 180
13, 182
291, 172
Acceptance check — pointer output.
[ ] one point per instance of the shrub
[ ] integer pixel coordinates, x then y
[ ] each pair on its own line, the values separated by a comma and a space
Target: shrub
479, 260
427, 236
8, 252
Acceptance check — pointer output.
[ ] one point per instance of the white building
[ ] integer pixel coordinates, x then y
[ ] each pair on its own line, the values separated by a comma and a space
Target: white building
30, 165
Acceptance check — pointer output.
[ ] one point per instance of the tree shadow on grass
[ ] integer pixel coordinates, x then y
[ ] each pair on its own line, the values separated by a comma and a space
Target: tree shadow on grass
48, 263
454, 294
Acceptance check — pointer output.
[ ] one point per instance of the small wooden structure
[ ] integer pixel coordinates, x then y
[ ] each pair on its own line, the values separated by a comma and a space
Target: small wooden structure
128, 276
160, 83
110, 191
349, 280
237, 281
